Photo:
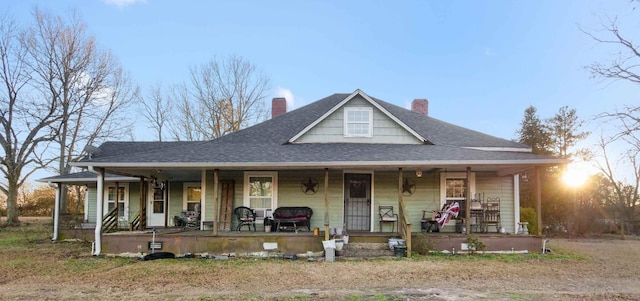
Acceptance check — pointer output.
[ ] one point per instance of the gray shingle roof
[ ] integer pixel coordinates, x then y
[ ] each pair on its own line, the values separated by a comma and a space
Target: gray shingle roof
267, 142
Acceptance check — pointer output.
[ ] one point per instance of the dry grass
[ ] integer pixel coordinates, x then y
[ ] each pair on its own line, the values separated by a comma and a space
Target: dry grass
31, 267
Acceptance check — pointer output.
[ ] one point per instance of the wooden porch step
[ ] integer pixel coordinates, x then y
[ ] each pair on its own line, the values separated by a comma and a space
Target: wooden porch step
366, 250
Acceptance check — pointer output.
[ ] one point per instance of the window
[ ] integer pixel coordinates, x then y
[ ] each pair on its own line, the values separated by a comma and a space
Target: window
260, 191
158, 200
454, 186
123, 200
192, 195
358, 122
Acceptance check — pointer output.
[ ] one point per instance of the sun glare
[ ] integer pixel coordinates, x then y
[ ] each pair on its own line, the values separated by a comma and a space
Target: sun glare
575, 175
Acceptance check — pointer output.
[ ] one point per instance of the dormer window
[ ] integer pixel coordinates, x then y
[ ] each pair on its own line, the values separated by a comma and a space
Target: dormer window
358, 122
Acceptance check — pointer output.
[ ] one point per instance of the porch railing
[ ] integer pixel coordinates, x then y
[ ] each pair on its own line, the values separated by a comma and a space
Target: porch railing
110, 220
404, 225
135, 223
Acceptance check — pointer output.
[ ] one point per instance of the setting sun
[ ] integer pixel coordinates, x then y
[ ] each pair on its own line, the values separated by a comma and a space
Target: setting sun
575, 175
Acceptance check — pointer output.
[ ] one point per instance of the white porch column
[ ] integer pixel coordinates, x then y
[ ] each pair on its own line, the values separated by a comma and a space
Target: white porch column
516, 202
99, 209
326, 204
56, 213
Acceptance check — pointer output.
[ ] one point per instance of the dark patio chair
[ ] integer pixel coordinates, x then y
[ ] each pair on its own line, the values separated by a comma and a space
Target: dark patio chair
246, 217
491, 214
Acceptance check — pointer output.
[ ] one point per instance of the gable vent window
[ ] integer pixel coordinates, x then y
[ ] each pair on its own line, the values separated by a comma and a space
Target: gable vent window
358, 122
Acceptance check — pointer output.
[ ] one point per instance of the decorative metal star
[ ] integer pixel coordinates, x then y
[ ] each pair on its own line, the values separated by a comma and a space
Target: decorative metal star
408, 186
310, 186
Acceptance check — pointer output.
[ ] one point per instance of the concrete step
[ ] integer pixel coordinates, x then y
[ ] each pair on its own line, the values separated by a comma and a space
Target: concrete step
365, 250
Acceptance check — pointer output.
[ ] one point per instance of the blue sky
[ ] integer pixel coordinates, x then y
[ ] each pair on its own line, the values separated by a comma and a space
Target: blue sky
480, 63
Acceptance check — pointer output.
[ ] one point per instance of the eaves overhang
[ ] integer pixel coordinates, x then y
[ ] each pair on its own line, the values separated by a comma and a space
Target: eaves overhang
329, 164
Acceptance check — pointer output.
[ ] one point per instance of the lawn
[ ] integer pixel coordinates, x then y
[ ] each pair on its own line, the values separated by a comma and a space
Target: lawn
32, 267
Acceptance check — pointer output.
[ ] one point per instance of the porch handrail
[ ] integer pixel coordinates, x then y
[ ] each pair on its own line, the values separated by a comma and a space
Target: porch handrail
110, 220
135, 223
404, 225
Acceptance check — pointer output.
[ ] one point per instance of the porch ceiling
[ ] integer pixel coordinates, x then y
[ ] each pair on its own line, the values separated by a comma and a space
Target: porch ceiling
168, 173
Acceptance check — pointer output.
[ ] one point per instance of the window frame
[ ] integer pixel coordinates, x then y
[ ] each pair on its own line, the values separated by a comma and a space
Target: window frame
444, 176
347, 122
125, 200
185, 194
261, 212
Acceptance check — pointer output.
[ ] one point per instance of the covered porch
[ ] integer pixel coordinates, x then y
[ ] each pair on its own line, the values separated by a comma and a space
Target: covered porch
410, 191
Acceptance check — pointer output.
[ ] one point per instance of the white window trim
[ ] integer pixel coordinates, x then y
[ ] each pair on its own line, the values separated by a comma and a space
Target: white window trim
126, 199
457, 175
274, 197
185, 193
346, 122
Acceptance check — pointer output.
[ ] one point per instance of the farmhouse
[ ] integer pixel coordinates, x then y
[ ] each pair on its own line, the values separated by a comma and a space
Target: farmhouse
349, 158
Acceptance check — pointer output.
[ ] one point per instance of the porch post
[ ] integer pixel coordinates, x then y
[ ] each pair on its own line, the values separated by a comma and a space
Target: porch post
99, 209
538, 201
142, 203
56, 213
326, 204
216, 179
165, 192
516, 202
467, 204
117, 205
400, 207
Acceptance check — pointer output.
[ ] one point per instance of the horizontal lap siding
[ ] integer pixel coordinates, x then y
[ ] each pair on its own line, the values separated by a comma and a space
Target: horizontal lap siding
425, 197
134, 200
331, 129
290, 194
92, 199
133, 192
175, 200
502, 187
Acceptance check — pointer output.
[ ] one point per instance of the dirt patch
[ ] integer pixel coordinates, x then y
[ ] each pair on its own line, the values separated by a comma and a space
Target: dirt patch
585, 269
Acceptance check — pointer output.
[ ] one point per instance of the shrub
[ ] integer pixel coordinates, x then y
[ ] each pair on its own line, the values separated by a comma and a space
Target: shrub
529, 215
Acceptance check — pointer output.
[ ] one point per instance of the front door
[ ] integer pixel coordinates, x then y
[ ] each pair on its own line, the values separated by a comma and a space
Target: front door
156, 208
357, 202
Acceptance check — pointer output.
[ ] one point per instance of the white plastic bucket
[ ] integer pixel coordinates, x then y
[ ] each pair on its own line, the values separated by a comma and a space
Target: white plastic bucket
329, 244
339, 231
345, 238
393, 242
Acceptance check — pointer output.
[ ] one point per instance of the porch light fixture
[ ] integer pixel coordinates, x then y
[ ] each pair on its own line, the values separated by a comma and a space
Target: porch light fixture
419, 172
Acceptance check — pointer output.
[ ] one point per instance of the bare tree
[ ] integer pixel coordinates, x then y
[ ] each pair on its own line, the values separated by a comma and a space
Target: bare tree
27, 121
625, 198
221, 97
624, 65
87, 83
157, 109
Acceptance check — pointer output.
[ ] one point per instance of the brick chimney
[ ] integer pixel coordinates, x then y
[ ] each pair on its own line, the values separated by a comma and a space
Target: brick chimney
421, 106
278, 106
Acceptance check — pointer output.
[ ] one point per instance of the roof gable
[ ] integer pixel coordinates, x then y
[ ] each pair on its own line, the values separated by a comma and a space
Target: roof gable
336, 110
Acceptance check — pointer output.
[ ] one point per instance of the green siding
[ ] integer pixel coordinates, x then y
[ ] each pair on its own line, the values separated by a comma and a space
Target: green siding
175, 200
91, 210
384, 192
134, 200
502, 187
426, 196
331, 129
